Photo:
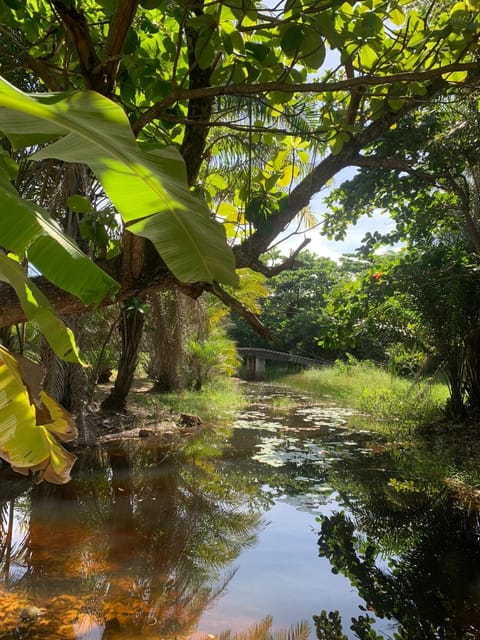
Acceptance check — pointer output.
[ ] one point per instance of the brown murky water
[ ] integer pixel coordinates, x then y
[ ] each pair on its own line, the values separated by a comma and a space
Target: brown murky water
287, 512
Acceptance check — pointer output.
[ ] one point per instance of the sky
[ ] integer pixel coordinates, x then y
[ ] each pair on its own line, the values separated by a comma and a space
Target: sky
334, 250
330, 248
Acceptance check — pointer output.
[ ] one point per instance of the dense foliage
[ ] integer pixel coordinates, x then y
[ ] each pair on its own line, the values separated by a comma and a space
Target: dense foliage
294, 308
264, 105
425, 174
165, 145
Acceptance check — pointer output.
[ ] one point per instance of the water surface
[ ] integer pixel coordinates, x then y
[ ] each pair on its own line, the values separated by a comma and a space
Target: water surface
286, 512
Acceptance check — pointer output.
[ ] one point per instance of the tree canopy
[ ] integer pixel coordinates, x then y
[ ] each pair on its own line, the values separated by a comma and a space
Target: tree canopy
241, 113
158, 145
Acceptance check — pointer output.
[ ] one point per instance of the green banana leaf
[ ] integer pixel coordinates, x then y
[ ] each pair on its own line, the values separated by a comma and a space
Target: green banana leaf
149, 187
31, 423
27, 229
37, 309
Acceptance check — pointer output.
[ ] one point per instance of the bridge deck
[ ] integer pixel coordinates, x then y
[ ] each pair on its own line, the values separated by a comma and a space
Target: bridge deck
279, 356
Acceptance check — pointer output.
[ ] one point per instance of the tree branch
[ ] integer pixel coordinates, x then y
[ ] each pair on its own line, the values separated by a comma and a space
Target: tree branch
51, 78
76, 26
199, 109
155, 275
238, 307
156, 110
396, 164
117, 34
301, 195
290, 263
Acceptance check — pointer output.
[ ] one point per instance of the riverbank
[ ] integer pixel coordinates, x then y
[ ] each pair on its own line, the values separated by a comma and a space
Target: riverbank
391, 404
167, 413
410, 416
394, 405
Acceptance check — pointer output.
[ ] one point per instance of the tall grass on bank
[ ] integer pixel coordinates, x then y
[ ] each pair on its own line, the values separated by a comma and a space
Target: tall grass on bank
366, 387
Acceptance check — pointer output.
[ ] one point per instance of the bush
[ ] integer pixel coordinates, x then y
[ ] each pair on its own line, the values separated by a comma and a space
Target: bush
405, 362
208, 359
372, 390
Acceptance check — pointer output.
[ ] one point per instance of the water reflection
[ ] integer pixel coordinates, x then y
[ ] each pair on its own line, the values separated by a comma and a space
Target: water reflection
130, 548
390, 520
409, 544
313, 514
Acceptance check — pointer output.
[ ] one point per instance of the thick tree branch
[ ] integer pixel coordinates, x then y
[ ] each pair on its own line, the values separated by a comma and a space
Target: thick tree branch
50, 77
290, 263
117, 34
355, 97
238, 307
151, 279
76, 26
395, 164
301, 195
155, 275
199, 110
156, 110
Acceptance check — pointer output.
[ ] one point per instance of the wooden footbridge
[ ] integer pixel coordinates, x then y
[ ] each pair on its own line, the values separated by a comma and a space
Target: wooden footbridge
256, 359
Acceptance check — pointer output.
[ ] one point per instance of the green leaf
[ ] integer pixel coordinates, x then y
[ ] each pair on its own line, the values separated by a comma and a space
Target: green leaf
31, 421
258, 51
397, 17
396, 103
291, 39
313, 49
8, 166
371, 24
37, 309
338, 142
26, 228
79, 204
216, 180
205, 53
457, 76
91, 129
194, 229
367, 56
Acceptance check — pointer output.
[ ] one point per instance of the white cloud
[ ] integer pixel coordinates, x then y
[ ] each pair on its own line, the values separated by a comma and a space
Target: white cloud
353, 239
355, 233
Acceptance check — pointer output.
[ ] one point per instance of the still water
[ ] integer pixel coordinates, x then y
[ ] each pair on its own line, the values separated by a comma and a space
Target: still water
288, 511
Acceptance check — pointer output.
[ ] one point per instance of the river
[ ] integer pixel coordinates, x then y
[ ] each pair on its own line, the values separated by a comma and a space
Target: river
286, 512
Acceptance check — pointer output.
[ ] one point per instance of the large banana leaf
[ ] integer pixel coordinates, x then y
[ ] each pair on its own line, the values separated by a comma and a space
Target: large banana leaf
26, 228
189, 229
31, 423
37, 309
143, 185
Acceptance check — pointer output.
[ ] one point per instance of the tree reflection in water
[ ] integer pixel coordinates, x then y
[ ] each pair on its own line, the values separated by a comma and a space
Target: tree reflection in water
135, 546
431, 585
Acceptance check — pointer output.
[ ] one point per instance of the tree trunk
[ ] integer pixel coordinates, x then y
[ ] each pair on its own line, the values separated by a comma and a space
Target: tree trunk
6, 338
68, 384
455, 372
166, 341
472, 371
131, 328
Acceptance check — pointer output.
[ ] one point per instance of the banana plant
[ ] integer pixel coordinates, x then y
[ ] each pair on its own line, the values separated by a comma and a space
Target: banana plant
148, 186
32, 423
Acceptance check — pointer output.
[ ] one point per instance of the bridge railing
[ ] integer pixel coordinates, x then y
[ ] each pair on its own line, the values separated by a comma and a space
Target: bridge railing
256, 358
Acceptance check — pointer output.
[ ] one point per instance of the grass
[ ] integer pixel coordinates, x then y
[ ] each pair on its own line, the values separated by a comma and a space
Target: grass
213, 404
393, 402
